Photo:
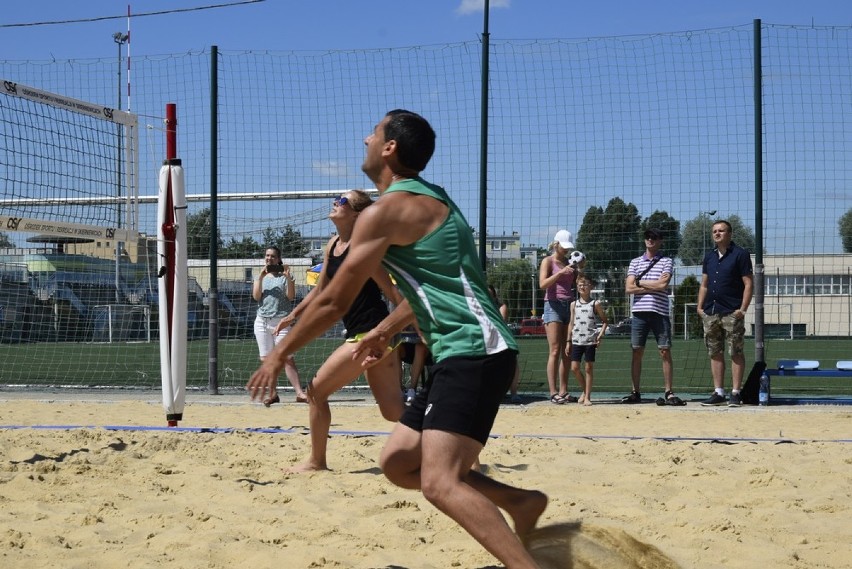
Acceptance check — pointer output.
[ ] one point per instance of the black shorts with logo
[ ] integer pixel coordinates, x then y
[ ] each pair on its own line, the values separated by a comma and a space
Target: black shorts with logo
463, 395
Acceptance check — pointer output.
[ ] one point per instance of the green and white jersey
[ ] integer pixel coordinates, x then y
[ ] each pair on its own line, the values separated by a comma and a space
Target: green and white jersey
441, 277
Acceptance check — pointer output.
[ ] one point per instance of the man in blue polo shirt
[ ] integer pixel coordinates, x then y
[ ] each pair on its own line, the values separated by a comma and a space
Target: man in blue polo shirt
723, 298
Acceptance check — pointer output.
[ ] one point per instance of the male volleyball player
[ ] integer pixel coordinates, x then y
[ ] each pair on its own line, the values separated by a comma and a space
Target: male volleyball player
426, 243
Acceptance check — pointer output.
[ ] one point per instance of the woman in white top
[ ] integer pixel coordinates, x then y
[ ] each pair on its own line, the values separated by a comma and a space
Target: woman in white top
269, 290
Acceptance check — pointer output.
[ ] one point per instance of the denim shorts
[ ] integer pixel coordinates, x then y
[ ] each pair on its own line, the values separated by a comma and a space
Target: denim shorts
557, 311
644, 322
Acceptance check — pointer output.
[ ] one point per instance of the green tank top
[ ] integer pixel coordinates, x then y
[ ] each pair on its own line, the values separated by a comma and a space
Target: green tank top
441, 277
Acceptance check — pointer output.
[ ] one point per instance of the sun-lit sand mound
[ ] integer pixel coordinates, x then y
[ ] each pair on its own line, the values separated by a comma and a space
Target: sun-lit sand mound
584, 546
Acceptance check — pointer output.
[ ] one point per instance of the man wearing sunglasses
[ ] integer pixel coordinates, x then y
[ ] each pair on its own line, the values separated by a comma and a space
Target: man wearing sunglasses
421, 236
647, 281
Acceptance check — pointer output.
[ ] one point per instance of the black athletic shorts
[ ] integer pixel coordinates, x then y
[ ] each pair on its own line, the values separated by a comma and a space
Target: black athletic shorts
577, 353
463, 395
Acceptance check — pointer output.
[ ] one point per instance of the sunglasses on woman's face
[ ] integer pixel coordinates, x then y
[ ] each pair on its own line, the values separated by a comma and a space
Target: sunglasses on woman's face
341, 201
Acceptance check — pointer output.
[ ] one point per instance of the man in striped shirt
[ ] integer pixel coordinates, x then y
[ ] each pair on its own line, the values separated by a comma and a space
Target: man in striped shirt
647, 281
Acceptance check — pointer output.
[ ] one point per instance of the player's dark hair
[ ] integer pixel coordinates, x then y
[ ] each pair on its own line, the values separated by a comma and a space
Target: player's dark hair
726, 223
585, 277
415, 139
274, 248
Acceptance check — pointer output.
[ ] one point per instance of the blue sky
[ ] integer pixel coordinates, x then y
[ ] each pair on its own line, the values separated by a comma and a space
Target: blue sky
343, 24
296, 25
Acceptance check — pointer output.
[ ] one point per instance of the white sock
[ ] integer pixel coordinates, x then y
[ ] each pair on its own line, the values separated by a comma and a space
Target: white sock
735, 391
720, 391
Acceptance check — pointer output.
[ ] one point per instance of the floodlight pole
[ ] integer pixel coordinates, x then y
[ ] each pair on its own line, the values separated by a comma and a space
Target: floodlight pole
704, 214
120, 39
483, 144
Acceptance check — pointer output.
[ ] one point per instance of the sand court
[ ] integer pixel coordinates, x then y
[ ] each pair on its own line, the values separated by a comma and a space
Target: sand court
88, 483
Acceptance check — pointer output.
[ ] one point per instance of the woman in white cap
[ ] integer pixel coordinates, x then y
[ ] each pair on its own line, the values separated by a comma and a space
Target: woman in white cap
556, 277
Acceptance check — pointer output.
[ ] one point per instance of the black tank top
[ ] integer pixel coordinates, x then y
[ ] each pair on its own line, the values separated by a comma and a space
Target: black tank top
368, 308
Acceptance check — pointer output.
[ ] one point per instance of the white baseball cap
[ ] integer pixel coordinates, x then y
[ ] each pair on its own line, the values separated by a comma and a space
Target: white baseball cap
564, 239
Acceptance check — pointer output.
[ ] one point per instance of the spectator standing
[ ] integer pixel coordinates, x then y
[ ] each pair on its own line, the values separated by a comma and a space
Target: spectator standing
556, 279
647, 281
275, 290
727, 283
584, 337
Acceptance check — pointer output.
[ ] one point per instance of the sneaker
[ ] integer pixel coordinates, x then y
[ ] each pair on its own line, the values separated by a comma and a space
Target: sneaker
516, 399
409, 396
714, 400
736, 400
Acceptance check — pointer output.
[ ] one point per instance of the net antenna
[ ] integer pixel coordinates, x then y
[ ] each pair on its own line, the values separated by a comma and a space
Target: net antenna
70, 168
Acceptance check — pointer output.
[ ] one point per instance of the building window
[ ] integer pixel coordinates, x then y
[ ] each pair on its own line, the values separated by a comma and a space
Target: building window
499, 245
807, 285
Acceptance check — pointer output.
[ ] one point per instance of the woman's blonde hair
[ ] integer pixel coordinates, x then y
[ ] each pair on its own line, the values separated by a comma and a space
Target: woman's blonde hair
360, 200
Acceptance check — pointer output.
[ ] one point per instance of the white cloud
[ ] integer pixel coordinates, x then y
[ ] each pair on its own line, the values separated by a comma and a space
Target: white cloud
471, 6
331, 168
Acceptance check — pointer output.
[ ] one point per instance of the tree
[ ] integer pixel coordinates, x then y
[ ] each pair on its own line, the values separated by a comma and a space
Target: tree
514, 280
845, 228
610, 238
288, 240
198, 235
696, 239
669, 226
5, 241
246, 248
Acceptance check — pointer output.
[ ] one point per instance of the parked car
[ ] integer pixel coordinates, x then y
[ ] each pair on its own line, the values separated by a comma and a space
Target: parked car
531, 327
622, 328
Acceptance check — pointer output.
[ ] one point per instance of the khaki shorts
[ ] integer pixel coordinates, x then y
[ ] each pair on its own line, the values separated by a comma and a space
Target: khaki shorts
719, 329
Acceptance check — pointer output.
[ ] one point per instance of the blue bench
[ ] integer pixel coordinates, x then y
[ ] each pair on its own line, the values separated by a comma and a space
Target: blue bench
809, 368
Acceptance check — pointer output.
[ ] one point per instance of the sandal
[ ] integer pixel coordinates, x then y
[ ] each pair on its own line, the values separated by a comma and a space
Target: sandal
673, 400
301, 399
568, 398
634, 397
556, 399
271, 401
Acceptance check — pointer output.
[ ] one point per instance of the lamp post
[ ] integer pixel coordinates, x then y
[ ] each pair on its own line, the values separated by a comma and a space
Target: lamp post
119, 39
705, 215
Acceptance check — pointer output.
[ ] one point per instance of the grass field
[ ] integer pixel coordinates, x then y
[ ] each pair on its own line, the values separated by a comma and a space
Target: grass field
136, 365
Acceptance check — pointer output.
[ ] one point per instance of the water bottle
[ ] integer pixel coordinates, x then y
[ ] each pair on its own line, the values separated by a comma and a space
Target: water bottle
763, 394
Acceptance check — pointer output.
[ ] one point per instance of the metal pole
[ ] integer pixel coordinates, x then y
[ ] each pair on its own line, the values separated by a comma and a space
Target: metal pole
705, 215
213, 295
759, 348
483, 144
119, 39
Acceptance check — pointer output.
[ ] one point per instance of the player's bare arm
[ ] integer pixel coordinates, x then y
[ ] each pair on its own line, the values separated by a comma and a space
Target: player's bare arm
374, 344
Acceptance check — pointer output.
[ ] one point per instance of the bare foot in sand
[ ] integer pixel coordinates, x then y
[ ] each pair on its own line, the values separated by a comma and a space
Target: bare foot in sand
526, 511
581, 399
587, 401
305, 467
